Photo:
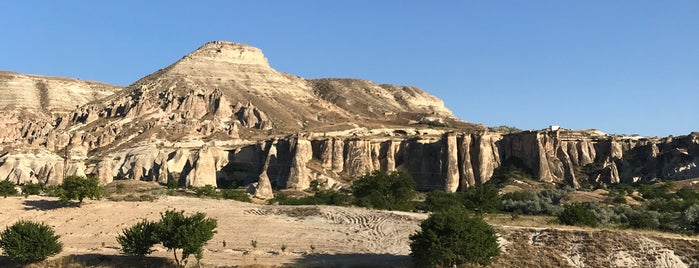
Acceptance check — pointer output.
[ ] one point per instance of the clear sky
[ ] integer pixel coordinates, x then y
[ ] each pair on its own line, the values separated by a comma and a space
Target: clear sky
627, 67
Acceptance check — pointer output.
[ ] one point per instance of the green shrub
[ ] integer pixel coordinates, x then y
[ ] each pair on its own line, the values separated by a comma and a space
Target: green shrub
174, 230
687, 194
7, 188
623, 189
27, 241
172, 183
234, 194
638, 217
139, 238
544, 202
332, 198
120, 187
690, 218
579, 215
619, 199
669, 205
31, 188
79, 188
452, 237
482, 198
440, 200
187, 233
505, 129
381, 190
520, 196
322, 197
655, 191
206, 190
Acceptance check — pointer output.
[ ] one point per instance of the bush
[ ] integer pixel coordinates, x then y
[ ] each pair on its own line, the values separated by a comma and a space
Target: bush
27, 241
452, 237
687, 194
655, 191
172, 184
322, 197
505, 129
690, 218
619, 199
482, 198
31, 188
79, 188
440, 200
176, 231
206, 190
623, 189
545, 202
381, 190
139, 238
7, 188
579, 215
237, 195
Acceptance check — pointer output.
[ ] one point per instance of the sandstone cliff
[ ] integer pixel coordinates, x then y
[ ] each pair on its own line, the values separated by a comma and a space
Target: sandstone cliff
221, 115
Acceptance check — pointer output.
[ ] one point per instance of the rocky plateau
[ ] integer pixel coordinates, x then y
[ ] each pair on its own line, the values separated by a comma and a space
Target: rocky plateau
222, 115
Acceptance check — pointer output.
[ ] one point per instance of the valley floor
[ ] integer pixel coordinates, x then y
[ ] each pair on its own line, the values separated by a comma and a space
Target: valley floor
328, 236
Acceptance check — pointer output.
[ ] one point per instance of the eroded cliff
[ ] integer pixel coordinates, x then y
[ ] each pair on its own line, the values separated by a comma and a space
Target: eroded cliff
222, 115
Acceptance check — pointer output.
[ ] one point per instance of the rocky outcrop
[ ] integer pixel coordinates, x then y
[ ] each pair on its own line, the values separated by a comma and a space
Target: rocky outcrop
44, 94
299, 177
450, 162
222, 116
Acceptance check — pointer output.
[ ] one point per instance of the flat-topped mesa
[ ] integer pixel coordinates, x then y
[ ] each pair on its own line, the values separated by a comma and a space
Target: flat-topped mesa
223, 52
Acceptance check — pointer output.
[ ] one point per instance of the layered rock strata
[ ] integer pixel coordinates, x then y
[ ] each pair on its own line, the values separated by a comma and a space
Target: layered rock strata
222, 115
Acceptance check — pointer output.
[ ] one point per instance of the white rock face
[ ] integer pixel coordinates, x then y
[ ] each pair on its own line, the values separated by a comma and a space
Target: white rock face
204, 172
49, 94
203, 119
299, 175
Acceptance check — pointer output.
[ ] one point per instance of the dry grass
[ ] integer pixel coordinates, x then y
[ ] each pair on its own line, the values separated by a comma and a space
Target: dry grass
503, 219
133, 191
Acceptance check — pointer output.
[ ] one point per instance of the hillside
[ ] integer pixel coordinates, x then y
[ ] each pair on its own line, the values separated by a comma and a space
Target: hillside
221, 115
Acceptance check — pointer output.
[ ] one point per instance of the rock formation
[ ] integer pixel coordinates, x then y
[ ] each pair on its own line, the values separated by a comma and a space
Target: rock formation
222, 115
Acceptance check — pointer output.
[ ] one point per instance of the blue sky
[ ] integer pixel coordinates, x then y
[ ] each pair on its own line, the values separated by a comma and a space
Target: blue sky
619, 66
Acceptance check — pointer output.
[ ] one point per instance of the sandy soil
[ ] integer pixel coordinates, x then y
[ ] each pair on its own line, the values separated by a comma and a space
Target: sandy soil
326, 236
339, 236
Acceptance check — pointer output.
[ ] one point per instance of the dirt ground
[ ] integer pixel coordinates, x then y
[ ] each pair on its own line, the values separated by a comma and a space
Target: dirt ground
326, 236
315, 236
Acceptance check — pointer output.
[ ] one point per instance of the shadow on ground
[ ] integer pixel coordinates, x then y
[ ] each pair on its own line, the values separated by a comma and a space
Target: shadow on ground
43, 204
94, 260
123, 261
353, 260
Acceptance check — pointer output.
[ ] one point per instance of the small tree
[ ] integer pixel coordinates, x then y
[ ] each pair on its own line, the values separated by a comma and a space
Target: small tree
31, 188
440, 200
27, 241
139, 238
453, 237
483, 198
381, 190
579, 215
189, 234
7, 188
79, 188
